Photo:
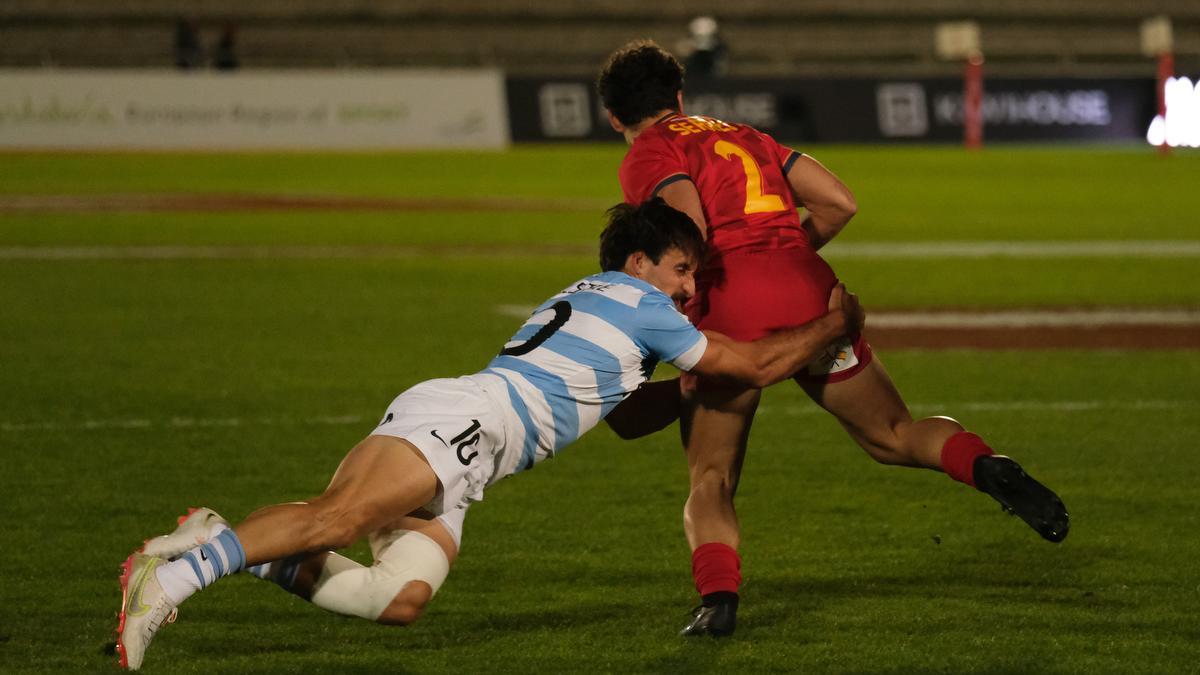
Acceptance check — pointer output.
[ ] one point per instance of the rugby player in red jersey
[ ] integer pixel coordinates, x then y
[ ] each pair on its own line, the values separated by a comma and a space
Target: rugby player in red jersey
762, 274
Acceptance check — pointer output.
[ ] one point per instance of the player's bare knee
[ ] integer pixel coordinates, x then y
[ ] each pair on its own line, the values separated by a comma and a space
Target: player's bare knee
408, 605
885, 456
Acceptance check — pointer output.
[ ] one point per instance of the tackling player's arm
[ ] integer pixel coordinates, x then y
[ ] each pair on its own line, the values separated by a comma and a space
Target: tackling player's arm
829, 202
653, 407
683, 195
779, 355
761, 363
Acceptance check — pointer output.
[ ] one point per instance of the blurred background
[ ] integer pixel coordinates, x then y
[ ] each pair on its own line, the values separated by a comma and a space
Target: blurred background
808, 70
541, 37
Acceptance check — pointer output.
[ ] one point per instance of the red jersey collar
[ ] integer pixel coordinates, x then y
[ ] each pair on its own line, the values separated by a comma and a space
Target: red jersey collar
664, 118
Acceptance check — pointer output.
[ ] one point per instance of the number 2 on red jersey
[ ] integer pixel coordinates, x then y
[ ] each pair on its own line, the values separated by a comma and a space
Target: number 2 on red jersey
756, 200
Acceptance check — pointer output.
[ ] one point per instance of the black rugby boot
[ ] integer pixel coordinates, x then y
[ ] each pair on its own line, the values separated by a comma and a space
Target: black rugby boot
716, 617
1021, 495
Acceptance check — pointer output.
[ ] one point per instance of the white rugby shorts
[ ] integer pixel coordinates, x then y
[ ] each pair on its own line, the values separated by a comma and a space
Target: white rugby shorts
458, 429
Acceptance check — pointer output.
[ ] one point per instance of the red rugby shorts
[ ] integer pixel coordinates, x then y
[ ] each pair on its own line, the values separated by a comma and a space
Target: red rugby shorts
750, 294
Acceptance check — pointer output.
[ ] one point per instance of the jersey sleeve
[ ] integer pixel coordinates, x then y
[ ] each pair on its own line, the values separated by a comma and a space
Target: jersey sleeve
650, 165
667, 334
783, 154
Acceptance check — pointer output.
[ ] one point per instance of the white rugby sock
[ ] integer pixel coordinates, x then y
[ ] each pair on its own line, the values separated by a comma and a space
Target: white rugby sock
199, 567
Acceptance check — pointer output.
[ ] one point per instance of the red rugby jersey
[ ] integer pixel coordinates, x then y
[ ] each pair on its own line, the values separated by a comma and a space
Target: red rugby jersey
739, 172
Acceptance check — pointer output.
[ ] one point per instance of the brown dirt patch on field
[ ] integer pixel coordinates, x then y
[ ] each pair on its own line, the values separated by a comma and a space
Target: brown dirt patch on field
1124, 337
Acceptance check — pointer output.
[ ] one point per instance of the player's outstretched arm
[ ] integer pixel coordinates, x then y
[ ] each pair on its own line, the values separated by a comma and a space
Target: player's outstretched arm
778, 356
829, 202
651, 408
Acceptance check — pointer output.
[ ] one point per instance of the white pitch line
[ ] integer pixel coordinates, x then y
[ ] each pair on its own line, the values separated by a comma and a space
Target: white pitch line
203, 252
836, 250
769, 410
1015, 249
518, 311
279, 252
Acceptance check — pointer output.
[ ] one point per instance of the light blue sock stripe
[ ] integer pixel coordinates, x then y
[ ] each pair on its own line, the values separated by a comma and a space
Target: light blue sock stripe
214, 559
191, 556
233, 550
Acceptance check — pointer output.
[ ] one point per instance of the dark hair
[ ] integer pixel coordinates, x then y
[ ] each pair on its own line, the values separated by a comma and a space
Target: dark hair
639, 80
651, 227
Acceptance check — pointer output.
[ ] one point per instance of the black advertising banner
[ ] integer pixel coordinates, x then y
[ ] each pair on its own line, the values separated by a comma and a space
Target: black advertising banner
861, 110
1017, 110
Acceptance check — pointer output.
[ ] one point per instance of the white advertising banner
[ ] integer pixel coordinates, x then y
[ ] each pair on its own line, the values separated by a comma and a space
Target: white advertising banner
377, 109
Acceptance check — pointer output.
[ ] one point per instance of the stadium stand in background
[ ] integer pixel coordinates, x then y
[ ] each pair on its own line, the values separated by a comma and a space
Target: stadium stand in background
538, 37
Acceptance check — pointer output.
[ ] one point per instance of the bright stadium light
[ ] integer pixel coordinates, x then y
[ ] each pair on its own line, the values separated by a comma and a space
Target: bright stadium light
1158, 41
1180, 126
1157, 133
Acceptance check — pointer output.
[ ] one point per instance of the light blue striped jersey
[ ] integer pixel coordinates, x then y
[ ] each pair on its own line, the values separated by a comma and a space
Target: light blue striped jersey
580, 354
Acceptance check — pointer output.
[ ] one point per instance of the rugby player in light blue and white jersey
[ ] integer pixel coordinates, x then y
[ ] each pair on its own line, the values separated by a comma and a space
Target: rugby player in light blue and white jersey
406, 487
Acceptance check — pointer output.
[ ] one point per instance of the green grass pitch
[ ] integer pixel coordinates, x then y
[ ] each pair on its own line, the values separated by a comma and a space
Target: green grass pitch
132, 389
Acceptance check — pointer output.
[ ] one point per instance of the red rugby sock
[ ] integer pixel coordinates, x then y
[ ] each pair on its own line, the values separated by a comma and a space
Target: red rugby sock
959, 454
716, 568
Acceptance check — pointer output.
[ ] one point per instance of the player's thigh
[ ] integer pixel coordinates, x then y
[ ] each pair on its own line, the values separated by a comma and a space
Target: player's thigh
868, 404
750, 295
428, 414
382, 478
716, 425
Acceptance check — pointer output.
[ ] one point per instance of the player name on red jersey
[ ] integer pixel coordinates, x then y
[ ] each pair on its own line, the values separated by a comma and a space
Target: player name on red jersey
739, 173
695, 125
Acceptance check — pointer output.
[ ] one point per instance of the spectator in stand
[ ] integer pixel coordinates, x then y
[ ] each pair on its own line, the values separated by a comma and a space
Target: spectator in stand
225, 56
189, 53
707, 54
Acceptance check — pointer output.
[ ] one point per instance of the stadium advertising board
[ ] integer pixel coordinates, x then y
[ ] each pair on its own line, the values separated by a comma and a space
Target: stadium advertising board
863, 110
246, 110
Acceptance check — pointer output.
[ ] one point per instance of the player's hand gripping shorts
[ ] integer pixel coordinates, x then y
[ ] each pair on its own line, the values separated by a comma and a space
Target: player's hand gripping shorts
754, 293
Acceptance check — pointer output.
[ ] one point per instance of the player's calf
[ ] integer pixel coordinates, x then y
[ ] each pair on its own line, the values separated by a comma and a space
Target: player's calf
336, 526
334, 520
907, 442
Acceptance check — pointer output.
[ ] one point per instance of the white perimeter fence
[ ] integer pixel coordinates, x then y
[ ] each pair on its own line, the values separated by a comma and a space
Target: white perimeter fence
380, 109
